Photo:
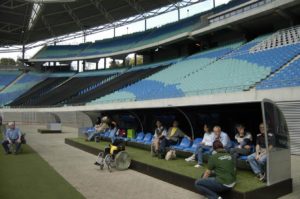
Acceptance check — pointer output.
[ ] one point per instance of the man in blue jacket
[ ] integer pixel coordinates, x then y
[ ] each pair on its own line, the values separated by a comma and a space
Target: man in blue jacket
12, 136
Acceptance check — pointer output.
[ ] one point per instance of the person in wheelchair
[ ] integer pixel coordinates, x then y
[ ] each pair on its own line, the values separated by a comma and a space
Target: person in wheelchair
113, 149
12, 136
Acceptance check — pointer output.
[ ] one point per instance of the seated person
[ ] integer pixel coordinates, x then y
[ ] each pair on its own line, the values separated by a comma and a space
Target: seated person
172, 137
243, 140
159, 133
206, 144
2, 128
102, 127
220, 175
114, 131
222, 136
258, 159
12, 136
114, 148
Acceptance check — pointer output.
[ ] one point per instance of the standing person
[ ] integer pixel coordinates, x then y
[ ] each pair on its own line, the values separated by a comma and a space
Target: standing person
205, 145
258, 159
12, 136
243, 140
2, 128
159, 133
220, 175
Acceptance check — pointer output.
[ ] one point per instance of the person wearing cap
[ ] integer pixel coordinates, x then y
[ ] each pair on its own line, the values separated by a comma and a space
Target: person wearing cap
220, 175
243, 140
12, 136
2, 128
258, 159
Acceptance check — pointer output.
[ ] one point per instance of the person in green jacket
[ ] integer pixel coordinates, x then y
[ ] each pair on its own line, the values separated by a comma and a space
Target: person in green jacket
220, 175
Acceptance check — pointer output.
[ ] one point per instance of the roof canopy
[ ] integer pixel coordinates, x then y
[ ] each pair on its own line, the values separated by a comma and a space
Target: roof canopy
23, 21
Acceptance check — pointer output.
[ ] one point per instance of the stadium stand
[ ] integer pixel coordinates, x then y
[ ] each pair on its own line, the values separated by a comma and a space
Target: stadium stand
6, 77
22, 85
173, 30
52, 81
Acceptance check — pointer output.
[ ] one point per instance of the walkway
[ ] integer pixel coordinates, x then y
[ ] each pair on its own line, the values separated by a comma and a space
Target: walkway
77, 168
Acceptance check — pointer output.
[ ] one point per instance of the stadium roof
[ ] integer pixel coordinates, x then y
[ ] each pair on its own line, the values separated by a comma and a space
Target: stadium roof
25, 21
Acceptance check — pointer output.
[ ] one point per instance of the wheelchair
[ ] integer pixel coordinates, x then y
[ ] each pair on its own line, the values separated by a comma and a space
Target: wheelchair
114, 156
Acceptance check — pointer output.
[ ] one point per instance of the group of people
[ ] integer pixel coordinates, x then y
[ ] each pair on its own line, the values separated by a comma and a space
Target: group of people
11, 136
102, 125
221, 168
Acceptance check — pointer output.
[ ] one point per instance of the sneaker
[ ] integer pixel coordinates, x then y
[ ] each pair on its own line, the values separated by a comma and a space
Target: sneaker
261, 176
198, 166
7, 152
190, 159
219, 197
96, 163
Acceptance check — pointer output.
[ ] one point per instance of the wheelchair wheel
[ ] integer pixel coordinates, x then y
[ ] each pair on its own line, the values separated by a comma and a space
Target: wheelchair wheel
122, 160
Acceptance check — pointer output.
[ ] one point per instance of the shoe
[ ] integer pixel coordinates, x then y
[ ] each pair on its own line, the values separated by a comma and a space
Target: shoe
190, 159
261, 176
7, 152
219, 197
96, 163
198, 166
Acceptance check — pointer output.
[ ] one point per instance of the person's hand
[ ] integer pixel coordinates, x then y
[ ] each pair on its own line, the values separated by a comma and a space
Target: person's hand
247, 146
257, 157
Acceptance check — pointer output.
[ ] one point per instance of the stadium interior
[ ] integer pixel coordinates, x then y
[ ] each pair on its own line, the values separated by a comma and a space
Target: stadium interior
216, 66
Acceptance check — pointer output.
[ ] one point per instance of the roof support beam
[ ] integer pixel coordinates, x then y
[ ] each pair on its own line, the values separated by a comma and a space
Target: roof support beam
73, 16
103, 11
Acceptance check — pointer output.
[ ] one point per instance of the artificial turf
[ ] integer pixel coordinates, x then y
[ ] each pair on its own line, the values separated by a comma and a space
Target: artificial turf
28, 176
246, 181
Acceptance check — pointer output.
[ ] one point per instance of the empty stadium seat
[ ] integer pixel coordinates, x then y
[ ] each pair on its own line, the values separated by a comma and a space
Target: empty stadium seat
139, 137
192, 148
147, 138
185, 143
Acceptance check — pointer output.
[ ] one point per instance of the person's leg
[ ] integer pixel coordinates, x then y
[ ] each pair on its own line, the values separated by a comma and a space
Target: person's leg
256, 168
18, 146
5, 146
200, 155
209, 187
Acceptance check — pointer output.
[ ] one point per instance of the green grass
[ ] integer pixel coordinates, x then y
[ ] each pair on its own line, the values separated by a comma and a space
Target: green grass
246, 181
28, 176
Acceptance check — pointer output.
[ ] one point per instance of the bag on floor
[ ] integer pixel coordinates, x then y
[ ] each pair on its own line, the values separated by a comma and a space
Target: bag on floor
171, 155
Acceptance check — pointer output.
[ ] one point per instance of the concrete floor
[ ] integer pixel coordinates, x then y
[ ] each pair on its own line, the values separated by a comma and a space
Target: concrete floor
77, 168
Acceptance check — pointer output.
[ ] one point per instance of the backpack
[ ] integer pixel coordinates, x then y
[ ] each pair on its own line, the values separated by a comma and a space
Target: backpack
171, 155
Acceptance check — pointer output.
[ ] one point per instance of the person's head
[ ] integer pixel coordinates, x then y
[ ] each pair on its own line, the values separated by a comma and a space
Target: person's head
158, 124
241, 129
113, 124
206, 128
217, 144
105, 119
217, 130
99, 119
11, 125
175, 124
262, 128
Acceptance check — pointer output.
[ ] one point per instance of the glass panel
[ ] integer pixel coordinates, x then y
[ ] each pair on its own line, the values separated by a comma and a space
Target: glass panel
278, 156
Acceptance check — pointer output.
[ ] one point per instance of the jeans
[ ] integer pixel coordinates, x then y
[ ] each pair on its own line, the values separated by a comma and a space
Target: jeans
236, 152
257, 165
199, 152
6, 148
165, 143
209, 187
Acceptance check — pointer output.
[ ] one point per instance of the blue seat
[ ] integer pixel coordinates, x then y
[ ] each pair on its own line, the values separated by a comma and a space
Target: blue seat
194, 145
147, 138
150, 141
185, 143
139, 137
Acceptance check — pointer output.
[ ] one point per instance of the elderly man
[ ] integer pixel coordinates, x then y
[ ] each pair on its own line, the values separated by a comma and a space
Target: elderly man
12, 136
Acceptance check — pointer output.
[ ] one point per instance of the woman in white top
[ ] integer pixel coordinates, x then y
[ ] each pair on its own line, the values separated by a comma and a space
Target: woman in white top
206, 144
159, 133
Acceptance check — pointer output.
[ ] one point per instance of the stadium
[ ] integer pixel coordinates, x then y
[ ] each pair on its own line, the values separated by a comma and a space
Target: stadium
129, 64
